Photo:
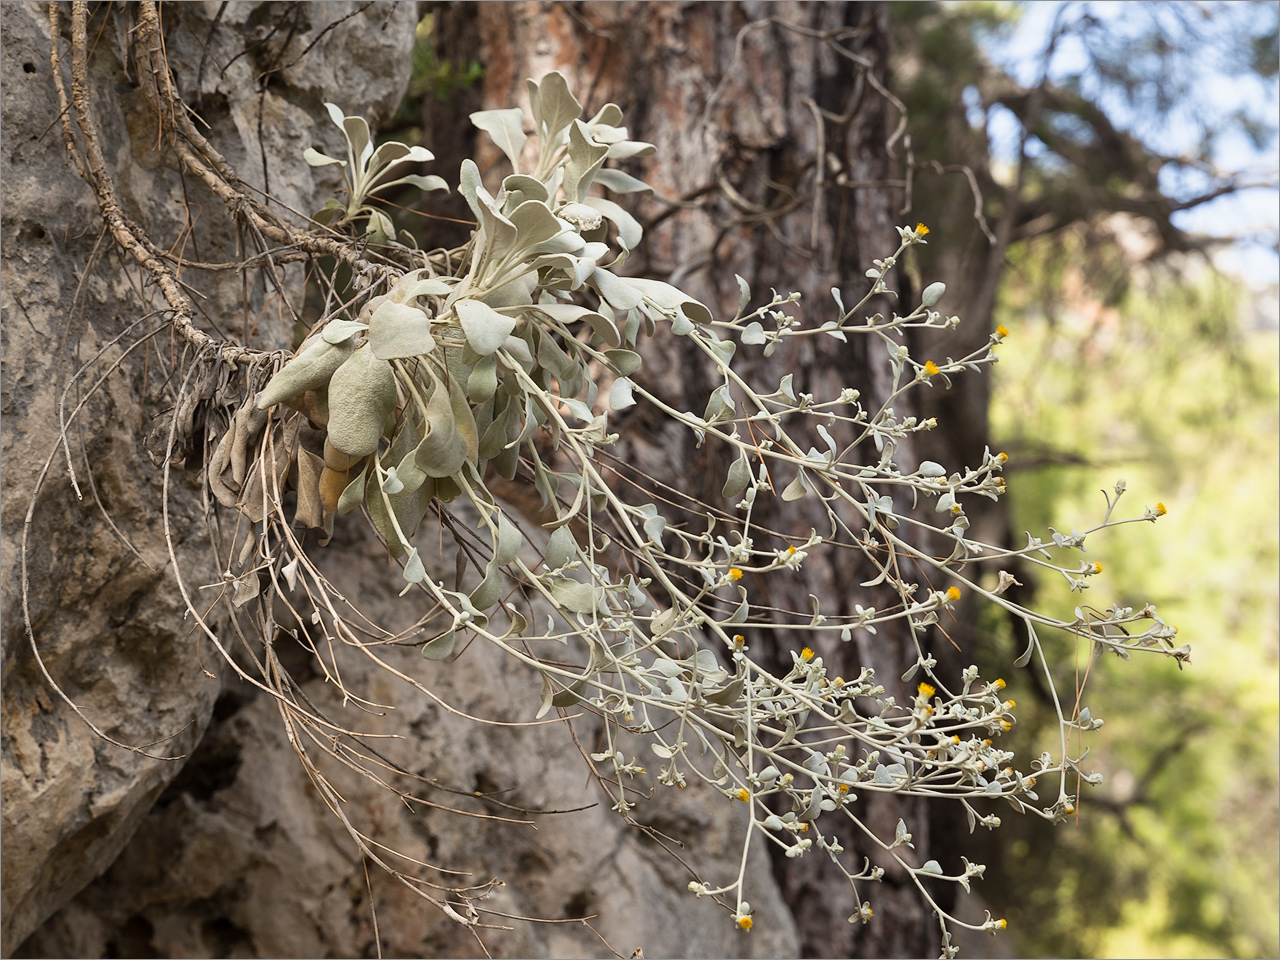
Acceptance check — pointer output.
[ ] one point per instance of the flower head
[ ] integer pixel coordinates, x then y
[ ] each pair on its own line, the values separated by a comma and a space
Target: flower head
743, 795
1002, 331
953, 594
931, 369
735, 573
1161, 509
926, 690
922, 230
806, 654
745, 923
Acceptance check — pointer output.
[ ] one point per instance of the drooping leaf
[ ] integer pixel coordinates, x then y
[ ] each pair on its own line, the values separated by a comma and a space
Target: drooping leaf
398, 332
485, 327
506, 129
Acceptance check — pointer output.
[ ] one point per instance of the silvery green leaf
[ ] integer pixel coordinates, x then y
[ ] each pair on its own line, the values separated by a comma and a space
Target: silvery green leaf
620, 182
441, 648
483, 380
753, 334
585, 159
352, 494
414, 571
422, 287
379, 229
518, 350
357, 131
568, 242
620, 394
723, 349
741, 611
739, 477
744, 294
392, 484
929, 468
933, 293
574, 596
785, 388
670, 298
317, 159
654, 527
424, 183
393, 152
338, 331
610, 115
489, 591
336, 115
554, 106
796, 489
397, 332
578, 409
720, 405
835, 295
831, 330
469, 185
509, 541
625, 362
506, 129
625, 149
485, 327
662, 750
534, 223
932, 867
520, 188
728, 694
561, 548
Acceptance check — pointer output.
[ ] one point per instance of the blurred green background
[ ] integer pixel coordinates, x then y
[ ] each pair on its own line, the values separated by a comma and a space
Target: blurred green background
1126, 159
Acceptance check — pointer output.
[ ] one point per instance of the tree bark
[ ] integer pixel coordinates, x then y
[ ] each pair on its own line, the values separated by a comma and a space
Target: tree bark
772, 163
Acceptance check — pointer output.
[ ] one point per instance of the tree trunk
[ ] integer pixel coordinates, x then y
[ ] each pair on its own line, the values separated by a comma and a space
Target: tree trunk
739, 99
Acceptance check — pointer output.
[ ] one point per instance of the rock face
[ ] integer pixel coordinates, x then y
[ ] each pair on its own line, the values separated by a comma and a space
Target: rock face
230, 849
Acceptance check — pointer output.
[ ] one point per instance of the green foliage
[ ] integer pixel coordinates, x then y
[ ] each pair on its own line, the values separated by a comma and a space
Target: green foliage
435, 78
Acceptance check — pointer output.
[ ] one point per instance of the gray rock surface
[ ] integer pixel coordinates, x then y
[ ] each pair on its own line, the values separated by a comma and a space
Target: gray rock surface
231, 851
109, 622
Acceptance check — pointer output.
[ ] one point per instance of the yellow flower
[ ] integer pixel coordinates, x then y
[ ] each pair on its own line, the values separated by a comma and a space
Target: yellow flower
1000, 684
1002, 331
842, 789
806, 654
743, 795
922, 230
931, 369
1002, 923
745, 923
926, 691
735, 573
1002, 457
1095, 567
1161, 510
1006, 724
791, 551
1010, 704
953, 594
